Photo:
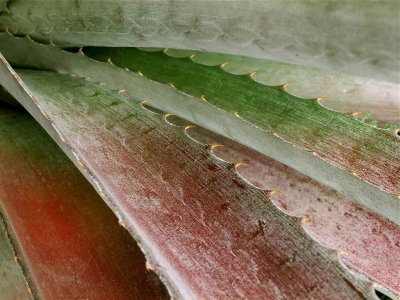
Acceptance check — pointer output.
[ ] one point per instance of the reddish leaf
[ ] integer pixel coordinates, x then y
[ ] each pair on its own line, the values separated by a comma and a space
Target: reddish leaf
69, 242
364, 239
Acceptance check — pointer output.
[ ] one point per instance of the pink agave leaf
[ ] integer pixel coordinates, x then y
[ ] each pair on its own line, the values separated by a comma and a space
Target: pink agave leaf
204, 230
67, 240
365, 240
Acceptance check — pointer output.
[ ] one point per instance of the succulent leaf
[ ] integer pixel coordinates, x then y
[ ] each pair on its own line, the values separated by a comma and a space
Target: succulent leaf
12, 280
171, 184
359, 37
340, 92
333, 148
212, 221
334, 220
343, 145
67, 240
365, 160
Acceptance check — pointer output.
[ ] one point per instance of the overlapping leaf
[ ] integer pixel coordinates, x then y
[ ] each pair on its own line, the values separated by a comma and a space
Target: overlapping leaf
333, 148
365, 240
203, 229
364, 161
353, 36
12, 281
368, 99
67, 240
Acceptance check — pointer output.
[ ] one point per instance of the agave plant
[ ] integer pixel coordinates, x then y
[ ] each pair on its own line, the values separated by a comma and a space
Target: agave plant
199, 149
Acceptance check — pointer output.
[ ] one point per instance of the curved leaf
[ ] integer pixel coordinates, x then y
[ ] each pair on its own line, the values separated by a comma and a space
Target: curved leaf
334, 148
67, 240
359, 37
365, 240
204, 230
12, 280
340, 92
345, 144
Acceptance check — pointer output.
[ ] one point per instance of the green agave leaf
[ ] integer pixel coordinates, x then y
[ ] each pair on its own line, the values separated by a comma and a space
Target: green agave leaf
359, 37
333, 148
66, 239
12, 280
6, 97
364, 97
202, 227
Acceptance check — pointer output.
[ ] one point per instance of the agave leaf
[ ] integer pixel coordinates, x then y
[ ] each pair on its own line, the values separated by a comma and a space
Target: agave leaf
351, 36
6, 97
335, 148
341, 149
205, 231
67, 240
340, 92
334, 220
12, 280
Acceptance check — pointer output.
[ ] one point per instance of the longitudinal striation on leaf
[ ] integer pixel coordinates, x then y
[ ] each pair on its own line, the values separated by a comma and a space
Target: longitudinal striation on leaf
302, 32
365, 240
66, 239
300, 121
333, 148
366, 98
205, 231
365, 160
